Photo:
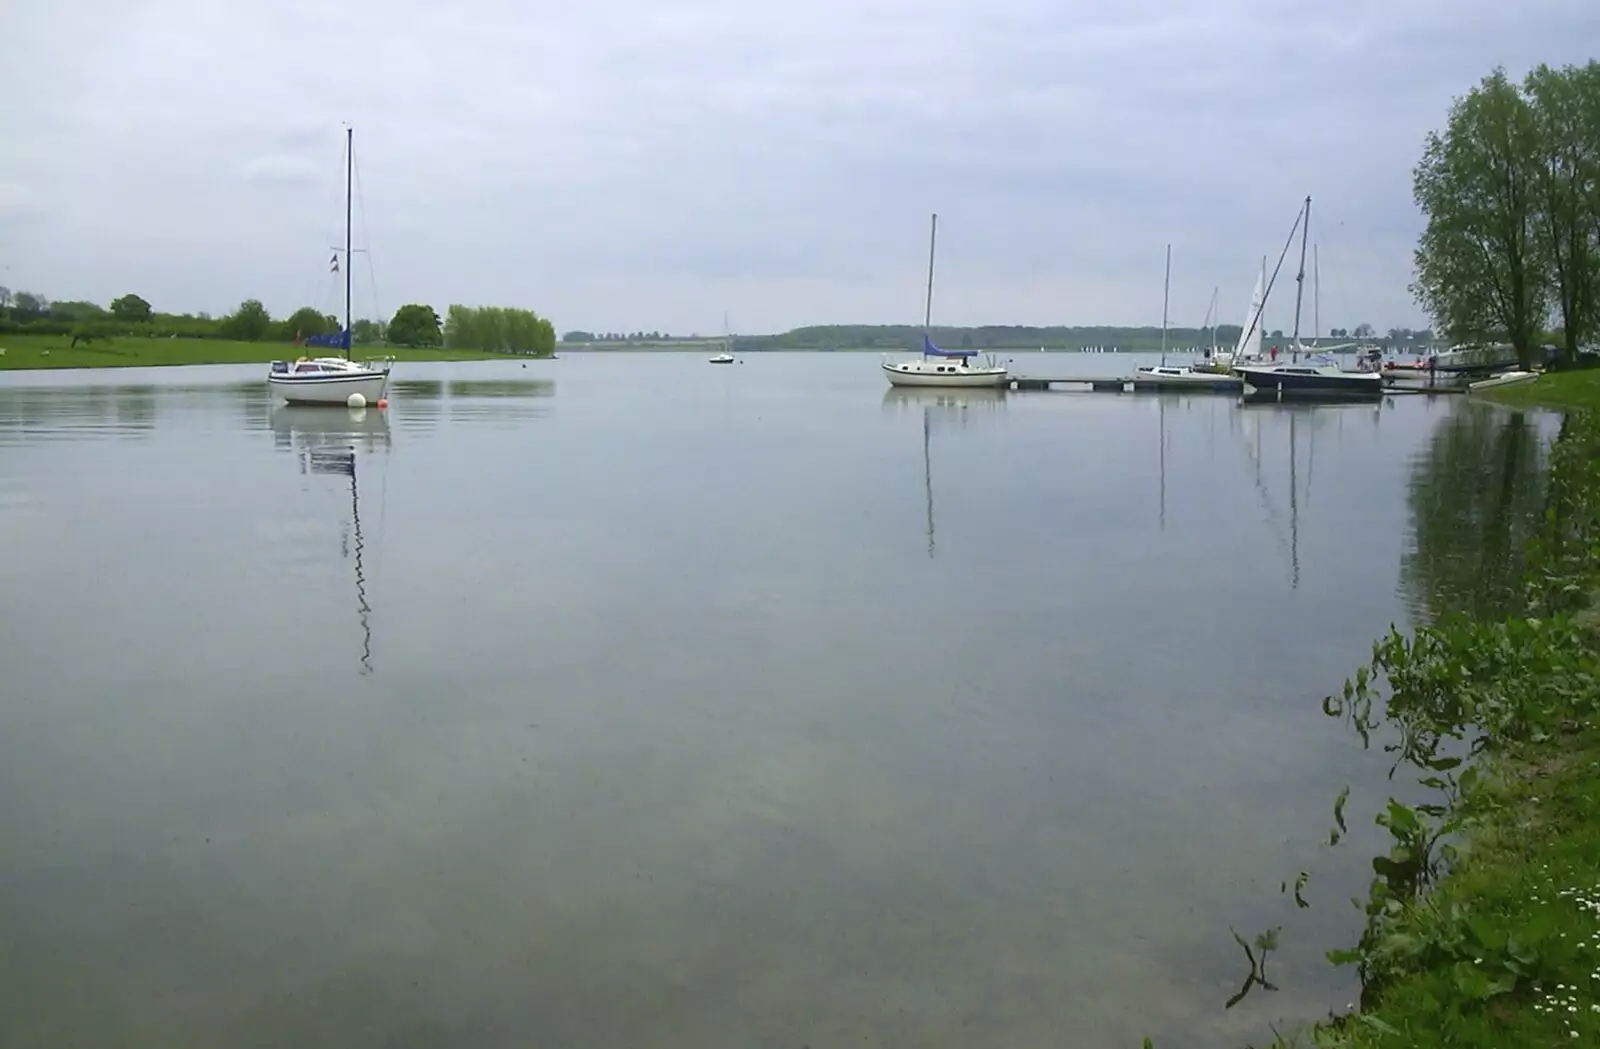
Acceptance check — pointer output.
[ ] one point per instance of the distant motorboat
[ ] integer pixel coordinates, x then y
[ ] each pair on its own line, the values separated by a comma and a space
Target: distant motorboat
1482, 359
1417, 369
722, 358
1510, 378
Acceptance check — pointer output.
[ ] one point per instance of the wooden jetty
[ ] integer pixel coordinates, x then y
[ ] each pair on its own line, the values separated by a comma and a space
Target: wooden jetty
1124, 383
1121, 384
1100, 383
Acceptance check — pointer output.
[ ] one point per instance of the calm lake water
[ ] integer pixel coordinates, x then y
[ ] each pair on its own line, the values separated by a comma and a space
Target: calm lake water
627, 701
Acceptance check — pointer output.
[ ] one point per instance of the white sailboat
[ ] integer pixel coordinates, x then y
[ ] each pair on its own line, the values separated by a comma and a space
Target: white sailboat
334, 380
1164, 378
938, 366
1248, 348
726, 356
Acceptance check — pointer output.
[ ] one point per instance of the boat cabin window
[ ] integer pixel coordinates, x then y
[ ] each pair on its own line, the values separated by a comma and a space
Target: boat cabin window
308, 367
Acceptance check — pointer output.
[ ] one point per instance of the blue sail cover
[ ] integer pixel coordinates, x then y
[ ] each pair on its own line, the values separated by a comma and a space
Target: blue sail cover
930, 350
338, 340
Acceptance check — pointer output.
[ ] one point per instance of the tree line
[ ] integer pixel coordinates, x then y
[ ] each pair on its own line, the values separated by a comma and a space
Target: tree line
494, 329
491, 329
1511, 193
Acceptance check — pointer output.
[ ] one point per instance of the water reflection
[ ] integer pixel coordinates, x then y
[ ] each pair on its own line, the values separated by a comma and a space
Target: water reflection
425, 403
1474, 499
30, 413
681, 752
326, 441
311, 427
953, 408
1293, 427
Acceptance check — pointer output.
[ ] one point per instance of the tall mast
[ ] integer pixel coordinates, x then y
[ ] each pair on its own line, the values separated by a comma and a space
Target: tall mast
1316, 294
1214, 319
927, 310
1300, 278
1166, 288
349, 168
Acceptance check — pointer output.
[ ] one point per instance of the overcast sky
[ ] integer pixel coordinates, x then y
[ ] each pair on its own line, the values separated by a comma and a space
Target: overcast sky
628, 164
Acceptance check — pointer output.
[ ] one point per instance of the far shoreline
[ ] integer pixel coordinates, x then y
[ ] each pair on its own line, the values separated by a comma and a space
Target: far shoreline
55, 353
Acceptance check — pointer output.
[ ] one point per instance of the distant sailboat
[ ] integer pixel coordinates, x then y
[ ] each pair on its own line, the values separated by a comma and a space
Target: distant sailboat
1248, 348
726, 356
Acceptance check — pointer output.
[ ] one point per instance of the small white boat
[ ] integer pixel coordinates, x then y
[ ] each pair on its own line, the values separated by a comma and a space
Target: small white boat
943, 368
1164, 377
938, 366
726, 356
1170, 377
1417, 369
329, 380
1510, 378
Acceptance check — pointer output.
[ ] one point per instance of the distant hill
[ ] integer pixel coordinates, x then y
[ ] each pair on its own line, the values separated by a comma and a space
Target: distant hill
989, 337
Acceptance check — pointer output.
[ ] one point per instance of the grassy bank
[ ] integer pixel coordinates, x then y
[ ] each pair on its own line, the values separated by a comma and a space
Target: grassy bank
57, 351
1483, 920
1560, 390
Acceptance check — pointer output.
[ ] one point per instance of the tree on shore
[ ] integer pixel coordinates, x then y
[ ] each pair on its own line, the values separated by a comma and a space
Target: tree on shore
130, 308
415, 324
1566, 109
248, 323
1510, 194
306, 322
498, 329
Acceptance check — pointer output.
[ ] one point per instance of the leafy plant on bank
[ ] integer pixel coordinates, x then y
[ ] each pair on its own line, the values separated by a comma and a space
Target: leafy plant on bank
1462, 689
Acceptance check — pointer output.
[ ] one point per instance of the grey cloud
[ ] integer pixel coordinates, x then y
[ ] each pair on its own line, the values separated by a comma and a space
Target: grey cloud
625, 164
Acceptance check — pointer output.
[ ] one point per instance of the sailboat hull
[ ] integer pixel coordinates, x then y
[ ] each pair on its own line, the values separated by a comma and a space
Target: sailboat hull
330, 389
915, 373
1163, 380
1310, 383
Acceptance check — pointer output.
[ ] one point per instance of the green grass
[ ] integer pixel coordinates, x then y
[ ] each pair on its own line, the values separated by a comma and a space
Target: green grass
1561, 390
1526, 898
56, 351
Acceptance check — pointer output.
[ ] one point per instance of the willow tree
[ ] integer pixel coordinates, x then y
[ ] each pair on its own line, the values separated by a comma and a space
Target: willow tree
1479, 268
1566, 109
